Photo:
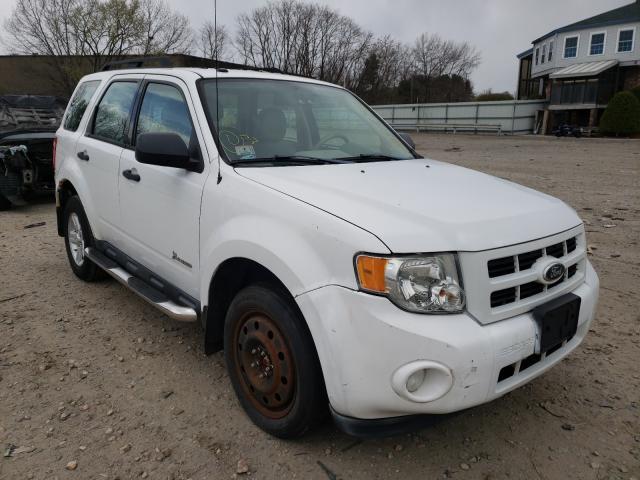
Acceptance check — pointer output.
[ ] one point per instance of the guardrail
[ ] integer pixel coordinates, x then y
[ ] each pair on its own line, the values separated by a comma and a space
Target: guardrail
476, 127
504, 117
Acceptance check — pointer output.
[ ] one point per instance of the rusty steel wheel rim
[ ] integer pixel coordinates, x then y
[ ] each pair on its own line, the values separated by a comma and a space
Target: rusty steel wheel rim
264, 364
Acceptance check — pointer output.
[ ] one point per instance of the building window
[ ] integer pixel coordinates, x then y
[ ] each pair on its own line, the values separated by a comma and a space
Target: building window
625, 40
544, 53
597, 43
570, 47
537, 56
551, 50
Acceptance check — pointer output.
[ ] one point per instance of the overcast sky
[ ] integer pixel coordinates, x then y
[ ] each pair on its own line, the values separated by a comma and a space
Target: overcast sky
500, 29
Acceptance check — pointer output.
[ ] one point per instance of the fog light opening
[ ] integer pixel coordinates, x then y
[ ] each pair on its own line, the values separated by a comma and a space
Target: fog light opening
422, 381
415, 380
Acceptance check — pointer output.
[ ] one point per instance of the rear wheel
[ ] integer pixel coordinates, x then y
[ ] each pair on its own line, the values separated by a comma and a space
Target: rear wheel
268, 352
77, 237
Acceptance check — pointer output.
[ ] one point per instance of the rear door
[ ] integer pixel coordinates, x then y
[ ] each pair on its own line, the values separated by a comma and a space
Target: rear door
160, 208
98, 154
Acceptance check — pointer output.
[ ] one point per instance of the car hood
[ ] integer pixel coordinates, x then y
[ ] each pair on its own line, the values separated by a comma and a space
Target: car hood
423, 205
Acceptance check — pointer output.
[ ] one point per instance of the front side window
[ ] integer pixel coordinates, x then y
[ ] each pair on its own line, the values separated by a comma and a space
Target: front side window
544, 53
280, 120
164, 110
571, 47
551, 51
78, 104
112, 114
625, 41
537, 56
597, 44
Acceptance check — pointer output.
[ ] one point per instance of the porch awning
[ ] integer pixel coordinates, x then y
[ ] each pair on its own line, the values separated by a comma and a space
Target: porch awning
587, 69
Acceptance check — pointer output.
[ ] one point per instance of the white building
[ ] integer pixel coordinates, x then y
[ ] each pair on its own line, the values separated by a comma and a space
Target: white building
579, 67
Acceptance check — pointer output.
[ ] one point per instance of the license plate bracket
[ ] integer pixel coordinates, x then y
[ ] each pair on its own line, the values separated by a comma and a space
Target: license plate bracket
557, 320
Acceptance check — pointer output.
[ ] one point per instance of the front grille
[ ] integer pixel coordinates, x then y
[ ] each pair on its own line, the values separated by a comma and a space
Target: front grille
522, 262
526, 260
501, 266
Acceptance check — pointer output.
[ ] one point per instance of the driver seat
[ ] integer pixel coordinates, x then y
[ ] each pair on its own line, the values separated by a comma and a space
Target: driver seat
272, 127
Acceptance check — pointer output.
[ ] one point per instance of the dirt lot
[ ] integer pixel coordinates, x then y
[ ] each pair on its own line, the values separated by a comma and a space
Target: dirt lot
91, 374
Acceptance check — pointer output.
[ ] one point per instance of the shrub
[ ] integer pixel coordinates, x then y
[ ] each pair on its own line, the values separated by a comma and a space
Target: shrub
636, 91
622, 116
489, 96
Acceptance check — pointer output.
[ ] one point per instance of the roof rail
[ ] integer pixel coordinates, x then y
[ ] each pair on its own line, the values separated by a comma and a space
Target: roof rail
189, 61
138, 62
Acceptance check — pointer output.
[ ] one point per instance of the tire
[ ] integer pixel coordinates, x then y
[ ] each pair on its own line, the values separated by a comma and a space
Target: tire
78, 236
265, 335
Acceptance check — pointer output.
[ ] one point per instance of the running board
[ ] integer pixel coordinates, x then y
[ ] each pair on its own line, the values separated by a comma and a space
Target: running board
142, 289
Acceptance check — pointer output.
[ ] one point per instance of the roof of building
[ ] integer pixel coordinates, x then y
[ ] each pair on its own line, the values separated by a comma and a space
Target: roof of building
526, 53
586, 69
625, 14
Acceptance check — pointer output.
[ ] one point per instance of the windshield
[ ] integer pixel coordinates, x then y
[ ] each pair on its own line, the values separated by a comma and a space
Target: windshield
285, 121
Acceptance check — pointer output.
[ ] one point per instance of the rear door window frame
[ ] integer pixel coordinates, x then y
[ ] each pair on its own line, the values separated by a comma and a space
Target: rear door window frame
86, 109
127, 135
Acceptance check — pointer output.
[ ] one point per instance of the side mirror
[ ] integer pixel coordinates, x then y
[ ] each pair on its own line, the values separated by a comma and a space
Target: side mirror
164, 150
407, 139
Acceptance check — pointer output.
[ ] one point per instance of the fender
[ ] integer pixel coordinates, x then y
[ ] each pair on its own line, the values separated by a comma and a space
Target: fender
70, 173
305, 247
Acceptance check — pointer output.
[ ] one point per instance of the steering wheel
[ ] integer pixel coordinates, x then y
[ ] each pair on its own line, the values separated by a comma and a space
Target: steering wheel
324, 141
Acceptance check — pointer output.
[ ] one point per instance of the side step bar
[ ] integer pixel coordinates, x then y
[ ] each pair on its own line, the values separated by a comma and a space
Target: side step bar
144, 290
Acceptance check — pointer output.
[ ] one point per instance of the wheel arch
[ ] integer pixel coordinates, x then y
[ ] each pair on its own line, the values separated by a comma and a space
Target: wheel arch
231, 276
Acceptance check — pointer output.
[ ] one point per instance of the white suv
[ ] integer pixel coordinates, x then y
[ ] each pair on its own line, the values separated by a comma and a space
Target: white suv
330, 261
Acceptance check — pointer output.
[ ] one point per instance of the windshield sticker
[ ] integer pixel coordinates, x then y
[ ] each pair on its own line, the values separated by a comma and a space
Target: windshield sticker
231, 141
245, 151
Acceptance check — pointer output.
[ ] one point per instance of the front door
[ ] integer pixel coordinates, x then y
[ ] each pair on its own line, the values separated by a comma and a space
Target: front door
160, 206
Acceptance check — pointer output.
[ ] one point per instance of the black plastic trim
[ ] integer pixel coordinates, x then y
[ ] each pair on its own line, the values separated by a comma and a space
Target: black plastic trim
147, 276
59, 222
385, 427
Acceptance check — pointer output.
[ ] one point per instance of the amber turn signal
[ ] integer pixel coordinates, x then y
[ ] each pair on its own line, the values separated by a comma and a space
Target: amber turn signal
371, 273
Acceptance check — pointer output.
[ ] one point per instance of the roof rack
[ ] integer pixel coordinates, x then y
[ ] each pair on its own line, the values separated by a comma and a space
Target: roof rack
138, 62
187, 61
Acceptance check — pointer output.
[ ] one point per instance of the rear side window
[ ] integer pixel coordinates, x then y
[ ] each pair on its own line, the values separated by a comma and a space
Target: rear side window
164, 110
78, 104
112, 114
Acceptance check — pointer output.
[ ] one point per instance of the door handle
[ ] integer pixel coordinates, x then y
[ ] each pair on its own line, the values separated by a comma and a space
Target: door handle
83, 155
131, 174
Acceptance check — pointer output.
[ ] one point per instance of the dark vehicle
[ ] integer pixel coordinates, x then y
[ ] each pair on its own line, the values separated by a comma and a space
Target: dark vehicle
27, 130
566, 130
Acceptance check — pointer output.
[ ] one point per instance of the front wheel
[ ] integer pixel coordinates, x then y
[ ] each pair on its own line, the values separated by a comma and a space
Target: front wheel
272, 363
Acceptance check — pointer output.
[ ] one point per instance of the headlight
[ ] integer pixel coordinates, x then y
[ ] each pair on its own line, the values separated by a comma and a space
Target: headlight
422, 284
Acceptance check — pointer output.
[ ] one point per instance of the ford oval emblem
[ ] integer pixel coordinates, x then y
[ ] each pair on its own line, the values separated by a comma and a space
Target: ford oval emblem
554, 272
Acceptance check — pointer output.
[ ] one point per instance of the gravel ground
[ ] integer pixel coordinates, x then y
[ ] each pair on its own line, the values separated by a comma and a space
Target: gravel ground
95, 384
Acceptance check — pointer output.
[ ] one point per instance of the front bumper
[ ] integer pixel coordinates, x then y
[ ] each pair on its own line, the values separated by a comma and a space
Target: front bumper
363, 340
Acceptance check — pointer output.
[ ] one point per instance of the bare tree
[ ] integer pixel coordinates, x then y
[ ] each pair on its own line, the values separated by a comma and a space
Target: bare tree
48, 27
304, 39
163, 30
435, 57
82, 35
108, 29
212, 41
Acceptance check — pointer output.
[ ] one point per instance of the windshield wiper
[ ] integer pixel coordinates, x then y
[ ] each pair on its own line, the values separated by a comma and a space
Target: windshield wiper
370, 157
290, 159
